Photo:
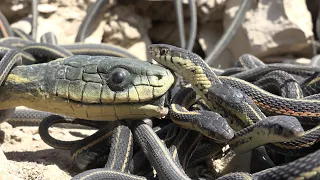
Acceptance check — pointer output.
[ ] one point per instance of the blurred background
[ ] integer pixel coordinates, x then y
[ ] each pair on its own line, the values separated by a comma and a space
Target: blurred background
275, 31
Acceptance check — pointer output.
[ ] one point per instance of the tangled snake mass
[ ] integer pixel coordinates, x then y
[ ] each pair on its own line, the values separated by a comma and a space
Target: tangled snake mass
166, 118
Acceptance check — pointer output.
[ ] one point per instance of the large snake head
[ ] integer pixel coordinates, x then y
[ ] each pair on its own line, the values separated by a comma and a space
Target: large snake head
281, 128
225, 94
91, 87
234, 104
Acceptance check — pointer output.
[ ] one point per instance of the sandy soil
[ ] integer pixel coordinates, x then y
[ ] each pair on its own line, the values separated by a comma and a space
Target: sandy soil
28, 157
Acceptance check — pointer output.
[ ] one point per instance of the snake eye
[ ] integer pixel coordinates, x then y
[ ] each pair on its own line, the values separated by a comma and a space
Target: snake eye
163, 51
119, 79
278, 129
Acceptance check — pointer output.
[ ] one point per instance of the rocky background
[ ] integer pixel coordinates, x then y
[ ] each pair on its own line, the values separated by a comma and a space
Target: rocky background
274, 31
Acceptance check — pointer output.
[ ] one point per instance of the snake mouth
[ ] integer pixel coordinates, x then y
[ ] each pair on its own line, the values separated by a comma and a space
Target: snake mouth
296, 132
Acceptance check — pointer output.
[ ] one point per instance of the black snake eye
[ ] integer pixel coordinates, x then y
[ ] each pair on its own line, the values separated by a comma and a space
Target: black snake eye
119, 79
163, 51
278, 129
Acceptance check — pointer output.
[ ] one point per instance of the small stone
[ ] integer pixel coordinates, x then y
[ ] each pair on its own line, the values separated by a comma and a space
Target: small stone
17, 7
5, 125
114, 25
36, 137
24, 25
17, 136
47, 8
107, 29
29, 130
303, 61
117, 37
129, 31
35, 146
139, 50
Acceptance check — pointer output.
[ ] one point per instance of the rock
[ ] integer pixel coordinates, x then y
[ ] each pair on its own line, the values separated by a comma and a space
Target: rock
140, 50
68, 18
54, 172
5, 125
272, 28
30, 130
28, 170
125, 28
47, 8
36, 137
130, 32
96, 36
17, 136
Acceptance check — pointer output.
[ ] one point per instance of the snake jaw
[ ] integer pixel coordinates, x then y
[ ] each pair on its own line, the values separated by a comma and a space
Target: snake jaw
208, 126
294, 133
287, 128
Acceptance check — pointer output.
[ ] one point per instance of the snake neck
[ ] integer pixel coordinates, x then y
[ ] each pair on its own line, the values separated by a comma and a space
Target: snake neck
249, 138
24, 84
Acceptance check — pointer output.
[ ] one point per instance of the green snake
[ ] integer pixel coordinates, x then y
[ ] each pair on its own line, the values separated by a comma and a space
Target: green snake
88, 87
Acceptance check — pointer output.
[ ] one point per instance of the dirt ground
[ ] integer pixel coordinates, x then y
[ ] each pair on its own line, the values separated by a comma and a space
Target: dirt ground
28, 157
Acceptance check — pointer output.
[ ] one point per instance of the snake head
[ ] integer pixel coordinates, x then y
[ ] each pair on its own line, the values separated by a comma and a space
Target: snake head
214, 126
156, 50
282, 128
226, 95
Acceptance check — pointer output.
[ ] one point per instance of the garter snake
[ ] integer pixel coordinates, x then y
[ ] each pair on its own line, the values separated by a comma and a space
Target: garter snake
155, 156
218, 96
5, 30
21, 34
277, 128
49, 38
159, 156
280, 83
198, 74
110, 170
111, 146
137, 88
307, 167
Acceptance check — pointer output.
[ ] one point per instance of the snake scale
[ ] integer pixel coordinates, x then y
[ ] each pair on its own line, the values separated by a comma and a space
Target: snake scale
165, 120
